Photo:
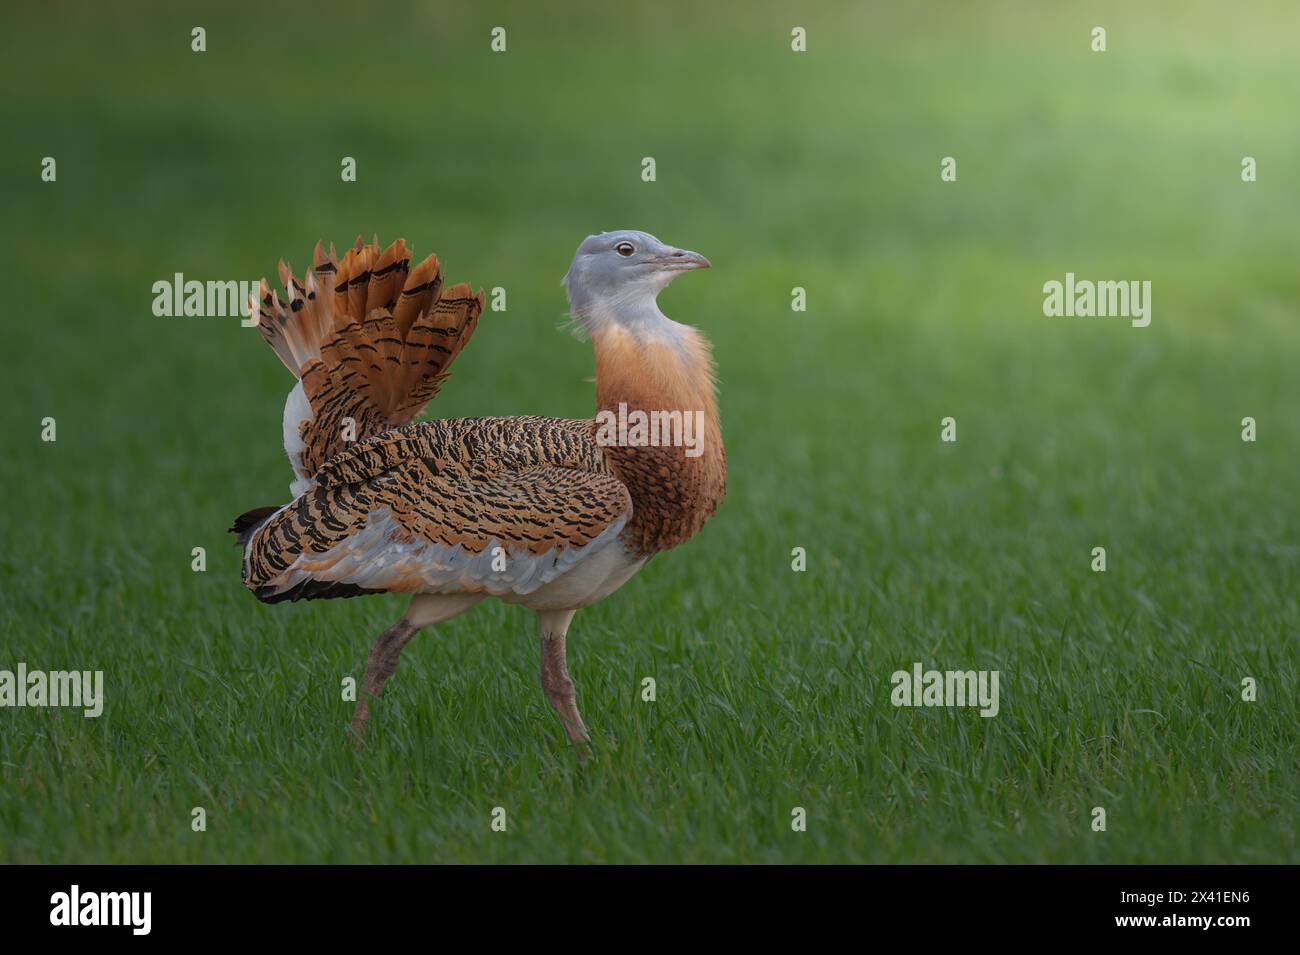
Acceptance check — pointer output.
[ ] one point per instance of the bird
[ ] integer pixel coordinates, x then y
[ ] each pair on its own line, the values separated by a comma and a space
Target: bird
552, 514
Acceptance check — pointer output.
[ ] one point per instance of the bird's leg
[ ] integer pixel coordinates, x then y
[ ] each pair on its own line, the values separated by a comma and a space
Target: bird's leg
380, 666
553, 625
425, 610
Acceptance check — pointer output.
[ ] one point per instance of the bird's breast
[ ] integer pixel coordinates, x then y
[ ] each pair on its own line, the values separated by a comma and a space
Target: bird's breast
657, 421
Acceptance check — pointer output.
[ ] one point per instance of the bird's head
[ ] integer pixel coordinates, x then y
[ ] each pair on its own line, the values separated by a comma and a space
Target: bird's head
620, 273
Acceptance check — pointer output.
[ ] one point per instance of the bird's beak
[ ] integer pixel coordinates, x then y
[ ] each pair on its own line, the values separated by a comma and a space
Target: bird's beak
680, 260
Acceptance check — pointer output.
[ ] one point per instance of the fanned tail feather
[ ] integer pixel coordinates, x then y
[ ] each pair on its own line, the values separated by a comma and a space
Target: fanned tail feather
369, 337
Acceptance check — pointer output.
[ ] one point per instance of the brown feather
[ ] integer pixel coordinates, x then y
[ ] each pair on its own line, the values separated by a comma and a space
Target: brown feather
370, 338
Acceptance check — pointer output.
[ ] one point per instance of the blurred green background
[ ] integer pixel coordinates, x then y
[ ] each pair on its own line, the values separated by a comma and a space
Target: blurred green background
818, 170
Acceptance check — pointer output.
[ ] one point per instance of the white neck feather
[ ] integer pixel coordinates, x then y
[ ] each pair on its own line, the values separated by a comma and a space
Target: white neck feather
636, 311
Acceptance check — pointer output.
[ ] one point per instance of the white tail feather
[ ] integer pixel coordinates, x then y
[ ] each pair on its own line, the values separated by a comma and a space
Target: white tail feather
297, 410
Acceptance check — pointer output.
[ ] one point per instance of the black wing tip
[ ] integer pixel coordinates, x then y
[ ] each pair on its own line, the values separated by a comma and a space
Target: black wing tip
248, 522
313, 590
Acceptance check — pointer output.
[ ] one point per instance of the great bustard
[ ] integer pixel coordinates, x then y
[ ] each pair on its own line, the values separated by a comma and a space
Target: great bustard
550, 513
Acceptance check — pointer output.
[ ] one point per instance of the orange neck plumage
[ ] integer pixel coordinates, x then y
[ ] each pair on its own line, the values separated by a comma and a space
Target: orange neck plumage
674, 488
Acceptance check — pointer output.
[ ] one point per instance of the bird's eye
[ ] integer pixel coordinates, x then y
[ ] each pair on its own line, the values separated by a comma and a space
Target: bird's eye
624, 249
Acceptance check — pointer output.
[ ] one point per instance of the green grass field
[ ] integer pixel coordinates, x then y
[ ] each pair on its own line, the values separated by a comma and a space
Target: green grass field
820, 170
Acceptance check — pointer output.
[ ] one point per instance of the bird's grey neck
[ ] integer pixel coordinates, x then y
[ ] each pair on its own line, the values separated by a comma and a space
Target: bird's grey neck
639, 315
